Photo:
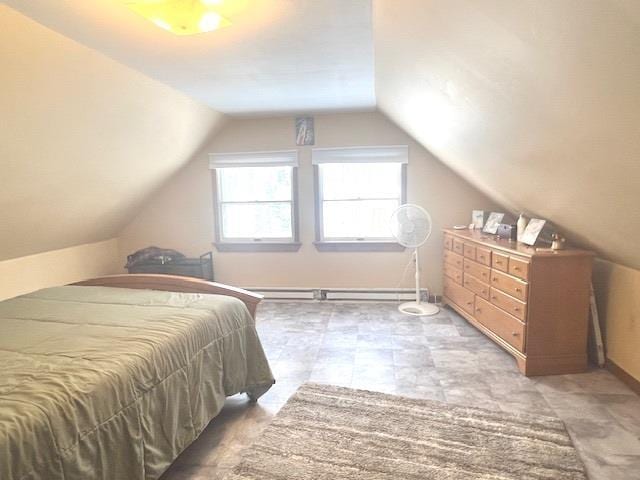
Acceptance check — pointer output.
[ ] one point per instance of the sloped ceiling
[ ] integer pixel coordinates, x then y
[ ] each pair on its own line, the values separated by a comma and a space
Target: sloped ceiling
536, 102
83, 141
277, 55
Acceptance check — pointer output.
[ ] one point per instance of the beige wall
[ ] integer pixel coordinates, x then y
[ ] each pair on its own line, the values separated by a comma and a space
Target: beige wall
181, 215
84, 140
58, 267
617, 290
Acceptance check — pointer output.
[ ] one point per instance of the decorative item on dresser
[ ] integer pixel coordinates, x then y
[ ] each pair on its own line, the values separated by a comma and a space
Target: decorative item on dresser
535, 304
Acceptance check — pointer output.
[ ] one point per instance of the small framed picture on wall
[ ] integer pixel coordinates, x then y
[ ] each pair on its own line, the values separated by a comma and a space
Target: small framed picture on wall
305, 134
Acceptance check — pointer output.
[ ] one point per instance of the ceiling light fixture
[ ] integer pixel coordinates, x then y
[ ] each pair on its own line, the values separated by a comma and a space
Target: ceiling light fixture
181, 17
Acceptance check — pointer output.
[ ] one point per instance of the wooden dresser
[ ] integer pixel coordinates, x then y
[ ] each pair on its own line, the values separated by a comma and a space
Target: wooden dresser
535, 304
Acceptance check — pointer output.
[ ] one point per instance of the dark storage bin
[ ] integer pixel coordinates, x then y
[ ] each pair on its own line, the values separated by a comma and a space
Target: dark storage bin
187, 267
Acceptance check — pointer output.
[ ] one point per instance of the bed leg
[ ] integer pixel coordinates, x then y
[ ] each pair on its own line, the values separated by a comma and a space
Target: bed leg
255, 392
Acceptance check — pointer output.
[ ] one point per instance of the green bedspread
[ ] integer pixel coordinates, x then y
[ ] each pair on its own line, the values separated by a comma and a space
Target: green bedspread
111, 383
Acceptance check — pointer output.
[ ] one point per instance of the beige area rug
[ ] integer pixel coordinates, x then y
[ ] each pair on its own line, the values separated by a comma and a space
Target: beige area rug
326, 432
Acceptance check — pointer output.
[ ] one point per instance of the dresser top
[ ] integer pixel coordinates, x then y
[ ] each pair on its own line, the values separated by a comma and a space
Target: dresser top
517, 248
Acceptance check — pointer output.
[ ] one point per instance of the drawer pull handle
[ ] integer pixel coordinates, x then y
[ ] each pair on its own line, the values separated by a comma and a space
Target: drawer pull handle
517, 269
515, 334
519, 290
494, 298
517, 309
469, 303
495, 279
499, 262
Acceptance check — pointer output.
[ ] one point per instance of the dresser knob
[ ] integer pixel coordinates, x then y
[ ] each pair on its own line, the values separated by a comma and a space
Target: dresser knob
494, 298
469, 303
517, 269
519, 290
495, 279
515, 334
517, 309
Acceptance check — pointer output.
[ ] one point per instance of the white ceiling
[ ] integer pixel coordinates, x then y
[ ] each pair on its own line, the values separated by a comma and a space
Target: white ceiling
279, 56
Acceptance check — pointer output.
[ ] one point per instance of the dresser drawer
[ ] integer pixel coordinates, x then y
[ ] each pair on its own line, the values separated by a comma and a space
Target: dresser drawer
514, 287
476, 286
469, 251
509, 304
508, 328
500, 261
481, 272
483, 256
519, 268
459, 295
448, 242
453, 259
453, 273
458, 246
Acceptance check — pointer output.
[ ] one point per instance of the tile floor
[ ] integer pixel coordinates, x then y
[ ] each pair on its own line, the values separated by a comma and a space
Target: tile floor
371, 346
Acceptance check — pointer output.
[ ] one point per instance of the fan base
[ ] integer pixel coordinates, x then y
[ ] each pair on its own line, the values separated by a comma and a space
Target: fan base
418, 309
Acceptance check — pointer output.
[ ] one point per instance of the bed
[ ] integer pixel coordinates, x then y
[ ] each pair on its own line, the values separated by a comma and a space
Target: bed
113, 377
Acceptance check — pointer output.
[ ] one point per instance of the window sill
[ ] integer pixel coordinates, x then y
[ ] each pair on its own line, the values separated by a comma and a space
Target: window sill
258, 246
358, 246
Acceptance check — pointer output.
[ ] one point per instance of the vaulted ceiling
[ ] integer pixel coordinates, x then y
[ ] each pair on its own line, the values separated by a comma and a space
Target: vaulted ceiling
84, 140
277, 56
536, 102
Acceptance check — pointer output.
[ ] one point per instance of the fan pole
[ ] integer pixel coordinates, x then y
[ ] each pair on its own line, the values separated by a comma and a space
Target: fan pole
415, 257
418, 307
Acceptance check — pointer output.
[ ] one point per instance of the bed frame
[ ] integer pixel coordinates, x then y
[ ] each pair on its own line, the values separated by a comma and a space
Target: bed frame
174, 283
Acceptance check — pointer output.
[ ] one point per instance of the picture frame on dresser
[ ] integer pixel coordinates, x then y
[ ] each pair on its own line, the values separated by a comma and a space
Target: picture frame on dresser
532, 231
477, 219
494, 220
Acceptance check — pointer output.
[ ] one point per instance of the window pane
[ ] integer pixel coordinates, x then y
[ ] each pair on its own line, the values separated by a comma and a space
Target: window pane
250, 184
342, 181
358, 218
256, 220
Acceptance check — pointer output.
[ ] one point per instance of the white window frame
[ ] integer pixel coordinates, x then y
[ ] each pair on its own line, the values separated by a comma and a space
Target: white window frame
281, 158
379, 154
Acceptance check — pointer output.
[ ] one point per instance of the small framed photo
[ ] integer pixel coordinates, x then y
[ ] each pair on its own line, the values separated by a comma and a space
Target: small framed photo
495, 219
305, 134
477, 219
532, 232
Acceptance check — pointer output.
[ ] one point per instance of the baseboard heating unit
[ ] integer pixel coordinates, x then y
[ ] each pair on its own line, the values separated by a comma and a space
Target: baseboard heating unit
368, 294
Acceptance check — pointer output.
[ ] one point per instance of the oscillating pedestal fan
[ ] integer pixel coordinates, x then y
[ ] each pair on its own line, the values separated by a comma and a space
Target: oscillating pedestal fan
411, 226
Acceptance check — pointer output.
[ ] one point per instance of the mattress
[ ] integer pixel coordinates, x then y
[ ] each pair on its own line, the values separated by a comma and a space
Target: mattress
113, 383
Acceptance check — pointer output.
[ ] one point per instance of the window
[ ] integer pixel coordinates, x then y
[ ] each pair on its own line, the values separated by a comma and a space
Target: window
357, 191
255, 201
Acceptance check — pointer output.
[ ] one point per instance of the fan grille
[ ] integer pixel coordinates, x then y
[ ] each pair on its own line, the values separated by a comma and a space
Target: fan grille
411, 225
